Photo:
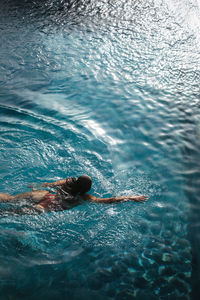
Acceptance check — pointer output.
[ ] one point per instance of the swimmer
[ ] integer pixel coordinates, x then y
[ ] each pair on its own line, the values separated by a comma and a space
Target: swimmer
69, 192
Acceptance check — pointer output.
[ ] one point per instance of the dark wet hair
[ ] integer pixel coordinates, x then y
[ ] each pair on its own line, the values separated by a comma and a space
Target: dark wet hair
84, 184
74, 186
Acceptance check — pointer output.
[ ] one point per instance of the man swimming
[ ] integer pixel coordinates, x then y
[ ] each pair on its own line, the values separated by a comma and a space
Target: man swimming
70, 192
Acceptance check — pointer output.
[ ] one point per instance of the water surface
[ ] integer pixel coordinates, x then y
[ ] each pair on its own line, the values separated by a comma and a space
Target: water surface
108, 89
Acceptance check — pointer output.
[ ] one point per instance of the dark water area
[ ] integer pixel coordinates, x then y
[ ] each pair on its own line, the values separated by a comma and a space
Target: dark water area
109, 89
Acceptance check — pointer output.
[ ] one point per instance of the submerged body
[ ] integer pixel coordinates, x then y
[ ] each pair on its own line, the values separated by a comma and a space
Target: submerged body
70, 192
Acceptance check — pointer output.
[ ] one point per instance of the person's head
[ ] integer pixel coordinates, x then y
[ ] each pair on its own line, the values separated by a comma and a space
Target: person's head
84, 184
80, 185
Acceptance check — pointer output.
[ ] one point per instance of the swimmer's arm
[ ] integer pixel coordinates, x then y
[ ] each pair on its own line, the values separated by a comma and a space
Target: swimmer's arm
52, 184
140, 199
49, 184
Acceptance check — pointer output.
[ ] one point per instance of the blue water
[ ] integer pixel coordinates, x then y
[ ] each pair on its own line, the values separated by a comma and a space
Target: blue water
108, 89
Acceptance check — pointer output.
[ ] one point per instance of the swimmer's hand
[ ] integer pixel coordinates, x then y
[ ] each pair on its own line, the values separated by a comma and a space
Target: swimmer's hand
140, 199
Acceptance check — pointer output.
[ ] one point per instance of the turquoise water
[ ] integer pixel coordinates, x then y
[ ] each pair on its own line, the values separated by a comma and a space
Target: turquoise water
108, 89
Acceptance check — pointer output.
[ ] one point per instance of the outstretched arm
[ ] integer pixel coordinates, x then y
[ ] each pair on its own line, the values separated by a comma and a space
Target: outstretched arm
141, 199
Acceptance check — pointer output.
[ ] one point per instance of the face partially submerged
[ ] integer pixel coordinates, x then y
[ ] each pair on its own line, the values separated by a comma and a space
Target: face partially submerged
83, 184
74, 186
